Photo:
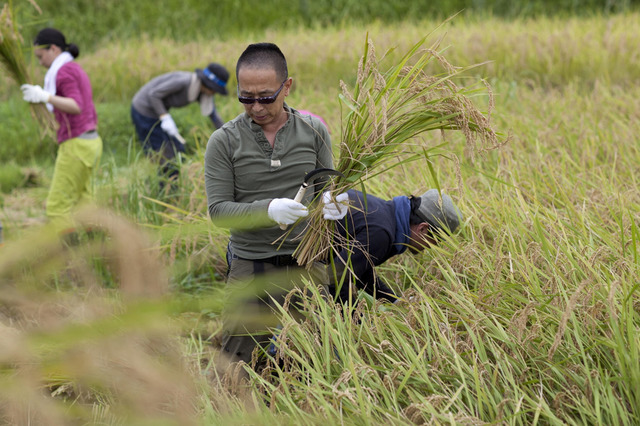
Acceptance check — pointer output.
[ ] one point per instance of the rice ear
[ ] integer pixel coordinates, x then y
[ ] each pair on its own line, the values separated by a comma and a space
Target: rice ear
387, 111
13, 60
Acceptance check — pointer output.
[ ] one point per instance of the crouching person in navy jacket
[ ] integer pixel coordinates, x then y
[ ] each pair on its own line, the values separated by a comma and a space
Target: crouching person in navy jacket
374, 230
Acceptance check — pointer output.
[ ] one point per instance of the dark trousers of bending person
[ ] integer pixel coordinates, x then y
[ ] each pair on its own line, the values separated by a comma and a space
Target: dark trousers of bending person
159, 145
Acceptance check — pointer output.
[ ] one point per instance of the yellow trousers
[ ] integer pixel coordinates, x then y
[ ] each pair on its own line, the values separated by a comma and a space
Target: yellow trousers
72, 184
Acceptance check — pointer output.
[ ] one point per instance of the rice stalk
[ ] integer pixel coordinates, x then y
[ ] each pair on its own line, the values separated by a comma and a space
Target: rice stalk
69, 342
13, 60
387, 112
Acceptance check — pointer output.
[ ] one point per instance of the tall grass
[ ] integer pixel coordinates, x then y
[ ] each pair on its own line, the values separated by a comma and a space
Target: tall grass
528, 316
545, 53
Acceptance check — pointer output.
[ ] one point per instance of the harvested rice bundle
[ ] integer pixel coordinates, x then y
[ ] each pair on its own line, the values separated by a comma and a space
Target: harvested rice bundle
13, 59
386, 112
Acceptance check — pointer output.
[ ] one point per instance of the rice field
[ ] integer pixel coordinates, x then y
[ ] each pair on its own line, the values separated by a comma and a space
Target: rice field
529, 315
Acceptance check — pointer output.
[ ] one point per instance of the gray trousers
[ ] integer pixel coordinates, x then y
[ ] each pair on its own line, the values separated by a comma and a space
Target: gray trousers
255, 288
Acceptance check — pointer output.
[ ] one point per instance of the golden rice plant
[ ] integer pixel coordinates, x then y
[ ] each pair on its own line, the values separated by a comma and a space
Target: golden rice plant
13, 59
87, 334
387, 112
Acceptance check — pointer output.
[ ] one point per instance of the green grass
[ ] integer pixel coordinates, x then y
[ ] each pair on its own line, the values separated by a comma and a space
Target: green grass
528, 316
545, 53
11, 177
112, 21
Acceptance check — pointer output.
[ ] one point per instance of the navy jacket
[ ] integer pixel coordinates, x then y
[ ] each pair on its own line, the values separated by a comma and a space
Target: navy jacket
369, 230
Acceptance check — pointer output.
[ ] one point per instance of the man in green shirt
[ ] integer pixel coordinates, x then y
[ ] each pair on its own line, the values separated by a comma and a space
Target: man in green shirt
254, 165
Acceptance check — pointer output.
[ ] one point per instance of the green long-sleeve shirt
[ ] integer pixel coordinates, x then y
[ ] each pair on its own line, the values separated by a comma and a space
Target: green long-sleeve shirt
243, 174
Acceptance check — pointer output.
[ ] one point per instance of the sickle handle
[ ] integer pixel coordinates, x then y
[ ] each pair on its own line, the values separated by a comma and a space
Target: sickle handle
300, 195
298, 198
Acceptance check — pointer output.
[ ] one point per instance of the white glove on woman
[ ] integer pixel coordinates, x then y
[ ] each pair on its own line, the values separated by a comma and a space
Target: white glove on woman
286, 211
34, 94
335, 210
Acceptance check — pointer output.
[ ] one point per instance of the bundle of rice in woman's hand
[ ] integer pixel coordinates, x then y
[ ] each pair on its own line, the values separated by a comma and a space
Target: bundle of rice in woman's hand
13, 58
387, 111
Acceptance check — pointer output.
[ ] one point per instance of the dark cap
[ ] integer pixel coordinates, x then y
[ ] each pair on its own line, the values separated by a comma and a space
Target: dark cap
439, 213
214, 77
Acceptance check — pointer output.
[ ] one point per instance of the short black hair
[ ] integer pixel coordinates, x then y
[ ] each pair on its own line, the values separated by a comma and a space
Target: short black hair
414, 217
264, 55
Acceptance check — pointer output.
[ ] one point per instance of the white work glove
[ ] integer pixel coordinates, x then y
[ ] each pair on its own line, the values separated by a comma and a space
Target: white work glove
286, 211
34, 94
168, 125
335, 210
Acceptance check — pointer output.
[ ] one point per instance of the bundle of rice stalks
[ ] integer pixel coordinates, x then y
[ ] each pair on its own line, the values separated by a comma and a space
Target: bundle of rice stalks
13, 59
387, 111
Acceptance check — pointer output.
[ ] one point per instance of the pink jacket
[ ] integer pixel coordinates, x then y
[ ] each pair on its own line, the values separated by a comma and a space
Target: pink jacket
73, 82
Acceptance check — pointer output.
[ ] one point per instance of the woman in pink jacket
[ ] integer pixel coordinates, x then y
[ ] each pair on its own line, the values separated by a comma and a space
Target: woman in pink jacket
67, 93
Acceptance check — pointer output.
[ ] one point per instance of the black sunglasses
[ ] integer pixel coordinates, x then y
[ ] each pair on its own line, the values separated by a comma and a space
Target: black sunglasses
263, 100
